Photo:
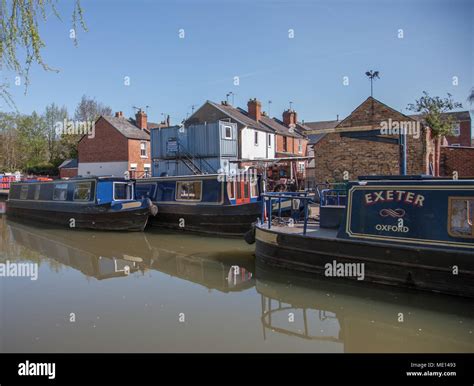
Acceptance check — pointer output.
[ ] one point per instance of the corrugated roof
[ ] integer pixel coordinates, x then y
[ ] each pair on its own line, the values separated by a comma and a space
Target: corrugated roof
127, 128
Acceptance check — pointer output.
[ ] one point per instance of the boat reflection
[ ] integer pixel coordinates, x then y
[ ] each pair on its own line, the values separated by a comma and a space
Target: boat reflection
346, 318
109, 255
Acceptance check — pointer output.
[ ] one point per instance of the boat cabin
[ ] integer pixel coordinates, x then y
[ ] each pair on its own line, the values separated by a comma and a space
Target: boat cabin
74, 191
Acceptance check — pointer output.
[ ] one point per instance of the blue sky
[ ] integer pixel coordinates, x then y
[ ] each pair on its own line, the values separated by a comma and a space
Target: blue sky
250, 39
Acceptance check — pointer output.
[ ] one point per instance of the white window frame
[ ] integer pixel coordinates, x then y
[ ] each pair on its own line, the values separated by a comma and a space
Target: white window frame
269, 140
123, 183
255, 138
230, 131
146, 152
300, 146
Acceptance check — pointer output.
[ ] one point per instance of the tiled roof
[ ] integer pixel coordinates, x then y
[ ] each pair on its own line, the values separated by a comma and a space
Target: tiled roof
320, 125
279, 127
240, 116
127, 128
457, 116
68, 164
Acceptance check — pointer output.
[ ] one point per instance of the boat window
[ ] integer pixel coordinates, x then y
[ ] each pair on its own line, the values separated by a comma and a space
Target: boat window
37, 191
82, 191
189, 190
461, 213
123, 191
24, 192
231, 189
60, 192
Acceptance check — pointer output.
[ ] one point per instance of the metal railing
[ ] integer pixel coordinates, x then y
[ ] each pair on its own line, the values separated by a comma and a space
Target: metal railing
269, 198
190, 161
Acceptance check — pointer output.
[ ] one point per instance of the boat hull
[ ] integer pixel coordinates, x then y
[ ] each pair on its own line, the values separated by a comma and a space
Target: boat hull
436, 270
221, 220
88, 217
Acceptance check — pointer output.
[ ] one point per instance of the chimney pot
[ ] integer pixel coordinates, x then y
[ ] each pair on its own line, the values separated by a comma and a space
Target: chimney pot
141, 119
289, 117
254, 108
119, 114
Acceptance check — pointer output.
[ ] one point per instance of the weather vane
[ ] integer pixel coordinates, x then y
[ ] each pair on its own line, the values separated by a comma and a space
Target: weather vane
372, 75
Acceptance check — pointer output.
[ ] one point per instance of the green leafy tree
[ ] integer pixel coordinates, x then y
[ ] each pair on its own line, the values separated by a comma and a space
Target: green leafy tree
32, 140
53, 116
433, 111
21, 44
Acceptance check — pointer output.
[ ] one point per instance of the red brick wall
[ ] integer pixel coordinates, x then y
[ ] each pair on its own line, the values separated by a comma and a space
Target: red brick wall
460, 159
465, 138
108, 145
134, 154
292, 145
335, 154
69, 173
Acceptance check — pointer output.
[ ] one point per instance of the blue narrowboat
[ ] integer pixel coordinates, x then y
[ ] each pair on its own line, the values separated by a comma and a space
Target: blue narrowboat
209, 203
102, 203
409, 231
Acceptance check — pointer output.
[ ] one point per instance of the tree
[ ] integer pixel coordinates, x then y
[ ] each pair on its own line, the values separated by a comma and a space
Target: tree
20, 41
470, 98
8, 142
52, 116
32, 141
88, 110
432, 110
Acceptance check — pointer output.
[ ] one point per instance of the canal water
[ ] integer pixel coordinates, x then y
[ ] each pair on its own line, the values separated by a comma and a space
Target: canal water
174, 292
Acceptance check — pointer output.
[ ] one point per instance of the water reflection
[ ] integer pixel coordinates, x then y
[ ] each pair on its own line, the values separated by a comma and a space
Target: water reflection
109, 255
144, 280
363, 318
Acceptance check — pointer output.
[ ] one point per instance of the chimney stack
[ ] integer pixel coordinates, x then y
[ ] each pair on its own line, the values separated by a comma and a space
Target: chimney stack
119, 114
141, 119
254, 108
289, 117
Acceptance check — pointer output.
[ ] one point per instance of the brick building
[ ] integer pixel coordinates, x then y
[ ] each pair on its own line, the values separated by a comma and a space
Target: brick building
462, 133
457, 159
356, 145
68, 168
118, 145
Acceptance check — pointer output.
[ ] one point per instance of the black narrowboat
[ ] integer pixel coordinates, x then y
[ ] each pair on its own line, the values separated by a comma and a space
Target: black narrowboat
409, 231
102, 203
209, 203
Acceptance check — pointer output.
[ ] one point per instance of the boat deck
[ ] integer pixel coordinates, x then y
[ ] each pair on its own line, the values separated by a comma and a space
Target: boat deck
313, 229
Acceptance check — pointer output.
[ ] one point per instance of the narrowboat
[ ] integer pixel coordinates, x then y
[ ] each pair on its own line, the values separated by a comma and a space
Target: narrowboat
101, 203
409, 231
214, 204
114, 256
